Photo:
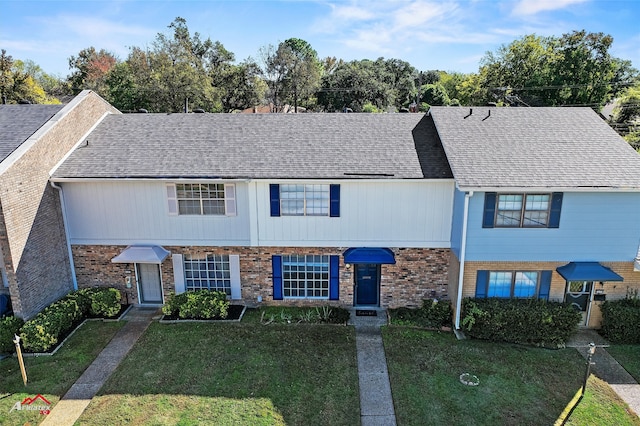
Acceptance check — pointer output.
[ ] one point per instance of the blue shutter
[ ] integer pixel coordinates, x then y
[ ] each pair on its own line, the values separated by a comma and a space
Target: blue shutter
482, 282
545, 285
489, 215
556, 206
334, 203
334, 277
274, 196
276, 262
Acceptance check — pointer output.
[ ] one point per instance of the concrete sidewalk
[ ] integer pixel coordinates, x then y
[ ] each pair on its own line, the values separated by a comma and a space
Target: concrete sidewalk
376, 402
74, 402
607, 368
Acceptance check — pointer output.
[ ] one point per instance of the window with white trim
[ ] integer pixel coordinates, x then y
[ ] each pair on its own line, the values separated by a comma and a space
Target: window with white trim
507, 284
211, 199
523, 210
210, 272
305, 276
304, 200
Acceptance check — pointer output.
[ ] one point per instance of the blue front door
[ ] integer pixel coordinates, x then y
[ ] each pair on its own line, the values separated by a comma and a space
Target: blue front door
367, 280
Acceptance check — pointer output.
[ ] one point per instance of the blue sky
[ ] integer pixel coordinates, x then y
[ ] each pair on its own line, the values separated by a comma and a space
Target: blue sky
430, 34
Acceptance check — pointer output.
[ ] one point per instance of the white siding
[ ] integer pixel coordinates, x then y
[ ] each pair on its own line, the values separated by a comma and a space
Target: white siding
128, 212
372, 213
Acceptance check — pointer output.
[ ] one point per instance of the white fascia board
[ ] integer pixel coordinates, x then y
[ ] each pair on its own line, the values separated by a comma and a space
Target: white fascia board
545, 189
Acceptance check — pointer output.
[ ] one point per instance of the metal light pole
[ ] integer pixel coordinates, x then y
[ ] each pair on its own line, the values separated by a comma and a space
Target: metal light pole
590, 352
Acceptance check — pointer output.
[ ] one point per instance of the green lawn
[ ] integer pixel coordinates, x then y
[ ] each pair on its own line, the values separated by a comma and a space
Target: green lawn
629, 357
601, 406
518, 385
247, 373
51, 376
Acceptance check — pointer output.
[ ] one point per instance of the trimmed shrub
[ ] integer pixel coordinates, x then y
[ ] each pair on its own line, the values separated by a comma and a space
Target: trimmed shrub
9, 327
531, 321
105, 302
199, 304
432, 314
42, 332
621, 320
172, 305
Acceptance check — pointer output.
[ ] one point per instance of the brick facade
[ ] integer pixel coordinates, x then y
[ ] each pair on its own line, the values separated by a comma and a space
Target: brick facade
418, 273
612, 290
32, 236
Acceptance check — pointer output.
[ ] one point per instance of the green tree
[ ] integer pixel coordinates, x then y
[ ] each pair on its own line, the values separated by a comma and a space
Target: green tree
356, 83
575, 69
241, 86
292, 72
90, 69
19, 82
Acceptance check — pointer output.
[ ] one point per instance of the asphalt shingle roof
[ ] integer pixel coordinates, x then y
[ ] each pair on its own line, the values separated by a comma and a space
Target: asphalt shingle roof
294, 146
534, 147
19, 122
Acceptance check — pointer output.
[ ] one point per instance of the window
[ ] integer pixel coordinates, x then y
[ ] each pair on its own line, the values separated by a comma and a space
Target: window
211, 272
201, 199
512, 284
305, 276
304, 200
522, 210
516, 284
531, 210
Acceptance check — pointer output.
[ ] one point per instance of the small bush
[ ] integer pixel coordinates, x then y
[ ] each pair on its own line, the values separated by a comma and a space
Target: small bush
432, 314
621, 320
42, 332
532, 321
105, 302
9, 327
199, 304
172, 305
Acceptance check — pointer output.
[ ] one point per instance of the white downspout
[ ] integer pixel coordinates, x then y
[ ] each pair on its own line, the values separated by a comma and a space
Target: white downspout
66, 234
463, 250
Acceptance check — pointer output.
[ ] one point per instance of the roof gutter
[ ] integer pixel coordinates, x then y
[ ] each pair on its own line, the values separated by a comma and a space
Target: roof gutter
66, 235
463, 252
532, 189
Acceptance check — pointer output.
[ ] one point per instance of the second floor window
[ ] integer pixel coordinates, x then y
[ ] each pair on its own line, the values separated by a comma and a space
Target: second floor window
215, 199
304, 200
522, 210
518, 210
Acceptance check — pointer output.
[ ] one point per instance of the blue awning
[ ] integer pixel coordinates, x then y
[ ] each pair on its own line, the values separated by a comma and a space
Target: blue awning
142, 254
369, 255
587, 271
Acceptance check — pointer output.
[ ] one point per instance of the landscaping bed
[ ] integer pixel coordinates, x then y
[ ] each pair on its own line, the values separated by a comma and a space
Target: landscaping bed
234, 313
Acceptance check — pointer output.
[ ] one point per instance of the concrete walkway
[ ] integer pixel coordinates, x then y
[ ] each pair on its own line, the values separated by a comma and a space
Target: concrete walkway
607, 368
74, 402
376, 403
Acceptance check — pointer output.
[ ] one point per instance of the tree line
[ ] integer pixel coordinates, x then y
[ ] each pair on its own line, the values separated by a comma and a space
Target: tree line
181, 70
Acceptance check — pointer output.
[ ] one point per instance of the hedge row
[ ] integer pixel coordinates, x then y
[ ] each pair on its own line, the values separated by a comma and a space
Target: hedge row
531, 321
43, 332
199, 304
432, 314
621, 320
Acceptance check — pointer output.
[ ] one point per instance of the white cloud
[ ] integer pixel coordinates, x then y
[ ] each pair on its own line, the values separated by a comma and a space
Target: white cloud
532, 7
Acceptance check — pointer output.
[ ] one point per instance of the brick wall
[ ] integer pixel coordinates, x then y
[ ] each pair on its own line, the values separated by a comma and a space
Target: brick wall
418, 273
32, 233
613, 290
